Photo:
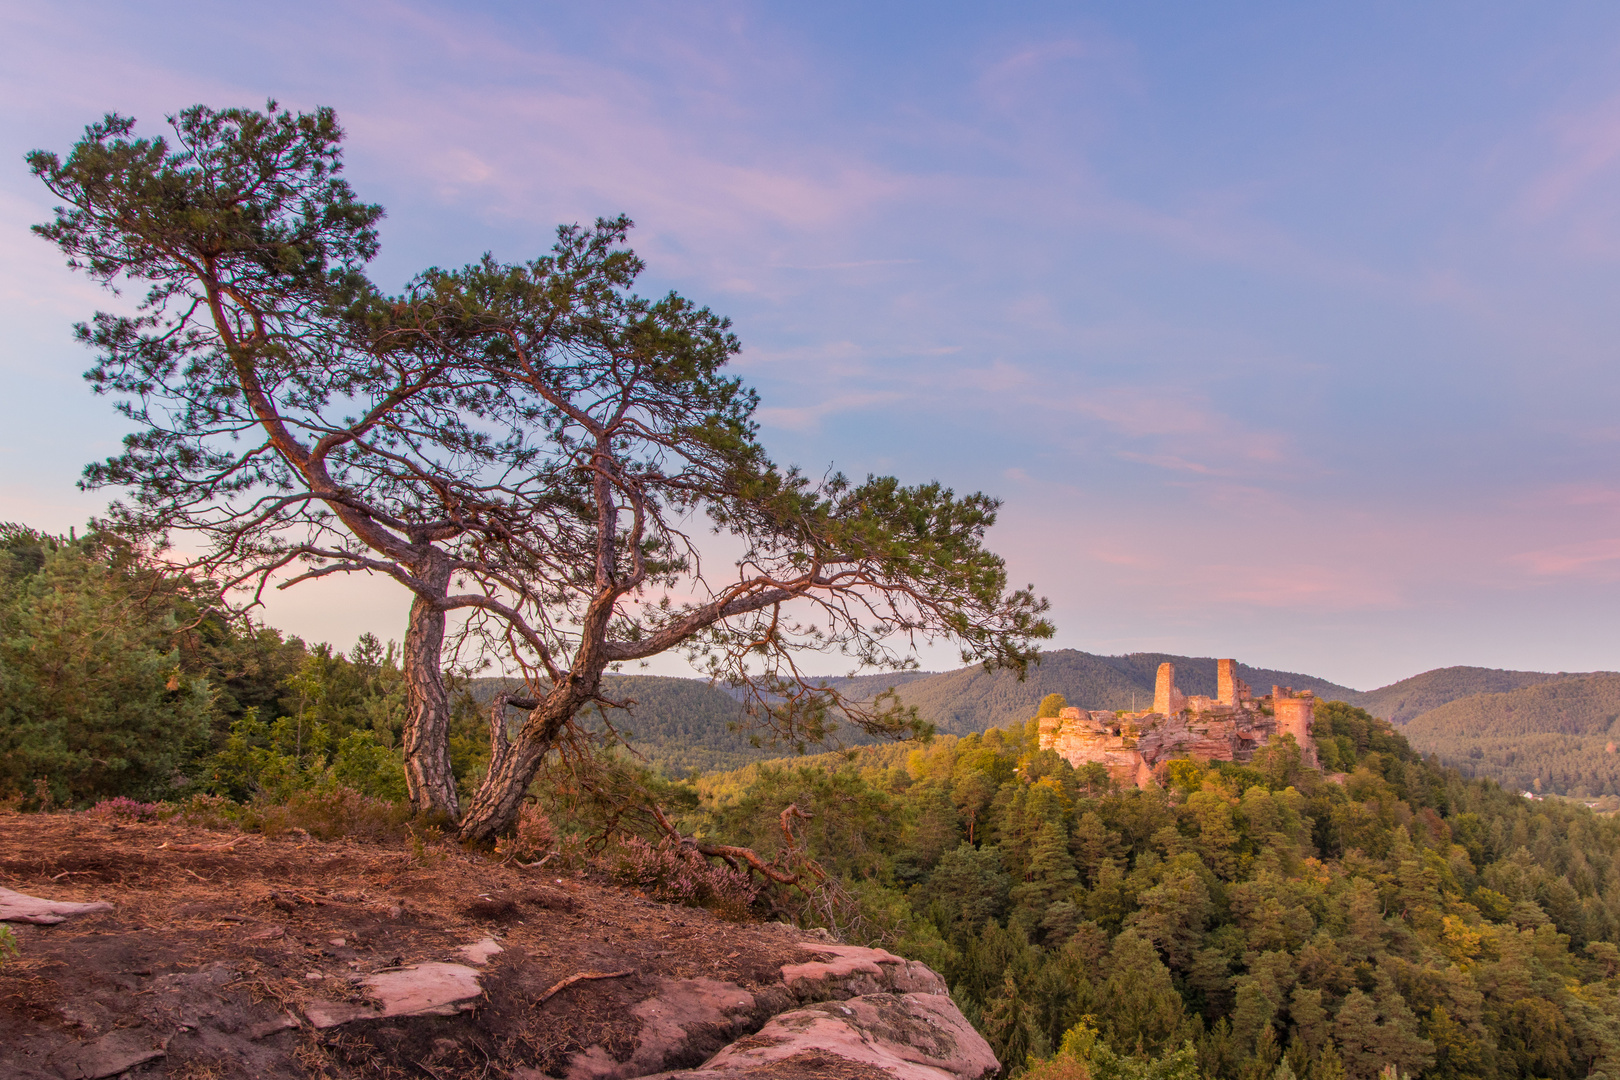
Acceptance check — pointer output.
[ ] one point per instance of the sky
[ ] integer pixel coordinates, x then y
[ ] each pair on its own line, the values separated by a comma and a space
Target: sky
1285, 331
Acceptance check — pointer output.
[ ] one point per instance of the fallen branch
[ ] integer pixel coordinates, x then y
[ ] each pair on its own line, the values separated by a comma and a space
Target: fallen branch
532, 865
214, 847
733, 855
580, 977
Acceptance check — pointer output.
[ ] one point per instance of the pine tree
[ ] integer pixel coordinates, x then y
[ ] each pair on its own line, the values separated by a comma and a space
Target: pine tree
1312, 1025
1140, 1007
1173, 914
1329, 1066
1011, 1024
1092, 845
1051, 875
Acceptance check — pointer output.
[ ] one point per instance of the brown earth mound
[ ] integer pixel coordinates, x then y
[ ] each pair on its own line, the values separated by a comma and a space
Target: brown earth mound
228, 955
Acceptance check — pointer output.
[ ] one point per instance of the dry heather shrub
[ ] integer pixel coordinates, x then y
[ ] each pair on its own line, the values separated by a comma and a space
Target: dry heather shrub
532, 837
328, 813
126, 808
678, 875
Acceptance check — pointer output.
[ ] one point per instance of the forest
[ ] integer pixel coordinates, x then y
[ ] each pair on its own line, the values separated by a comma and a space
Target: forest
1246, 921
1249, 917
1556, 736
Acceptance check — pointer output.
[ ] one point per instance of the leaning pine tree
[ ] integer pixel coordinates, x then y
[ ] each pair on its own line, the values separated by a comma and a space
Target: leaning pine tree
283, 420
635, 444
532, 445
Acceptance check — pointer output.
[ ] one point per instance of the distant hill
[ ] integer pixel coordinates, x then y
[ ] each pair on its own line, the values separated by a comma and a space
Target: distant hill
684, 724
677, 724
1557, 736
1566, 705
1518, 727
1401, 701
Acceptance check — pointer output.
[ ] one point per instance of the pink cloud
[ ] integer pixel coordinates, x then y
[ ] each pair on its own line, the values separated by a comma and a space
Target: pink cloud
1595, 559
1588, 147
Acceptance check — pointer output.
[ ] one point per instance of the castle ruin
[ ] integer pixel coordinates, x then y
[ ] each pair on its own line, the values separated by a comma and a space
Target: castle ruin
1136, 746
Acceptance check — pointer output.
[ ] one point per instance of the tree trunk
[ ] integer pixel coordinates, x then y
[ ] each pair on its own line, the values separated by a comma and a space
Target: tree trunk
428, 778
494, 807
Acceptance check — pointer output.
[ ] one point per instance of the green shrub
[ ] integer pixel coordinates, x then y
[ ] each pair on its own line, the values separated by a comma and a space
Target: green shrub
8, 946
360, 763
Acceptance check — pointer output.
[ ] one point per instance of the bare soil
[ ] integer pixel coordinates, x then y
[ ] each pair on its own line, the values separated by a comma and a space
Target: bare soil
217, 939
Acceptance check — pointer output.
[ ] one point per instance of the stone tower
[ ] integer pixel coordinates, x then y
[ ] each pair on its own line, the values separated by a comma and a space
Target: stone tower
1229, 689
1167, 700
1294, 714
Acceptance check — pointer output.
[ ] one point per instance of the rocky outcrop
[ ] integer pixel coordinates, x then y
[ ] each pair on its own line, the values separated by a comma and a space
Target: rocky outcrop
859, 1009
365, 961
905, 1036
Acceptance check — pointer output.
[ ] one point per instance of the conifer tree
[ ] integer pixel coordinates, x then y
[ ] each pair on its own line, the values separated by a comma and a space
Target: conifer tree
1051, 873
1092, 844
1011, 1024
1173, 913
525, 444
1141, 1009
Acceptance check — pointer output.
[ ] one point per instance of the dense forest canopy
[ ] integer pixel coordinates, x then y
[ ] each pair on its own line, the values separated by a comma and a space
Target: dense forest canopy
1259, 914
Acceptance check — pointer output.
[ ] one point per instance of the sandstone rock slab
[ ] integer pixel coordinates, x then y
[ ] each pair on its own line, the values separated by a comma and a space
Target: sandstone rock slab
905, 1036
855, 970
683, 1019
19, 907
430, 989
479, 952
113, 1053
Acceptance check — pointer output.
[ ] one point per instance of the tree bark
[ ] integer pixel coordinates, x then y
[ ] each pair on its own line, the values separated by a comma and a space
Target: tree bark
428, 777
494, 807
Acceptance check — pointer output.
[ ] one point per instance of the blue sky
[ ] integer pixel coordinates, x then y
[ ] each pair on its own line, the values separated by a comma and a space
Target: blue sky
1286, 332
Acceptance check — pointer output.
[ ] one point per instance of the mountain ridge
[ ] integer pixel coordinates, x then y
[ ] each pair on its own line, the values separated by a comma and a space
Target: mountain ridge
686, 725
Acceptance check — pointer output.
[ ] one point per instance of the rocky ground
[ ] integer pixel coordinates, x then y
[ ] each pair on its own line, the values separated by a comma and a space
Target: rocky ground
227, 955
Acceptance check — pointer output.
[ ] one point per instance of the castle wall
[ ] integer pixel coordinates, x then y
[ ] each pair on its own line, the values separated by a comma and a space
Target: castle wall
1295, 714
1131, 746
1230, 690
1167, 700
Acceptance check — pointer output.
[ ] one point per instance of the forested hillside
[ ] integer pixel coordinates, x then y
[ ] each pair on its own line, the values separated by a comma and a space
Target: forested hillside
1272, 923
677, 725
1557, 736
1247, 922
1401, 701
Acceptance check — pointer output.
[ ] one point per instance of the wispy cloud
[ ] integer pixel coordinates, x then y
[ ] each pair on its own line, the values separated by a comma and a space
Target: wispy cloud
809, 417
1586, 150
1596, 560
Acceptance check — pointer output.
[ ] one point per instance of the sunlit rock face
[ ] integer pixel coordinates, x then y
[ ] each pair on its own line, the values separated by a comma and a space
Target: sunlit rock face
1133, 746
